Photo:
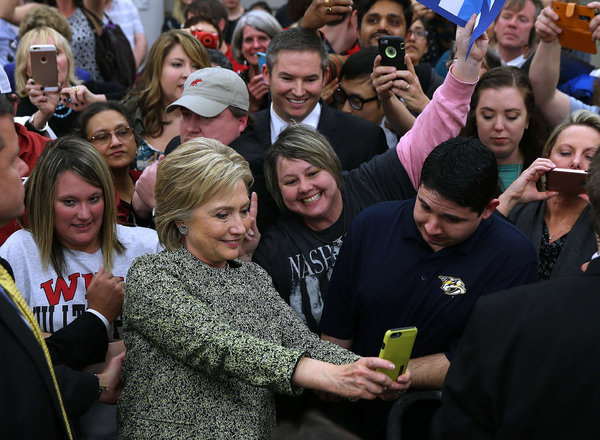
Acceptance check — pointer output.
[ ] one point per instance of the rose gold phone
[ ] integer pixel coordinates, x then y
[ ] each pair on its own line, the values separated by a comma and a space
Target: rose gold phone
44, 70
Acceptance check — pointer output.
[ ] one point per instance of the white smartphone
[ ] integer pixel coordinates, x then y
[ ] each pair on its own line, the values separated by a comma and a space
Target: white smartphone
44, 69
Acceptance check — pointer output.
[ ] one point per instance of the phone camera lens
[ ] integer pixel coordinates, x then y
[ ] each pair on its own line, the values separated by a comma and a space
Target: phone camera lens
391, 52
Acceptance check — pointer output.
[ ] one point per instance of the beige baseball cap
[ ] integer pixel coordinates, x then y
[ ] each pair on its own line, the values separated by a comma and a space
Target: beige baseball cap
209, 91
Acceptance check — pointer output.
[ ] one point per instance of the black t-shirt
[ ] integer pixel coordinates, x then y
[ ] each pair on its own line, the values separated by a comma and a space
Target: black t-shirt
300, 260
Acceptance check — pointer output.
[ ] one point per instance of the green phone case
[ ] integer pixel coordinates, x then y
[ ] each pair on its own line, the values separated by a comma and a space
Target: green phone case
396, 348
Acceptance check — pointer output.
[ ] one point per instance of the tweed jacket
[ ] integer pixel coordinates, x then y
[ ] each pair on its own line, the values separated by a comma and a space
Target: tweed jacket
207, 348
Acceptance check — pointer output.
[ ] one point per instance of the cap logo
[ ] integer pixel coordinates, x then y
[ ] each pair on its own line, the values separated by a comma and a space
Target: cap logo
196, 81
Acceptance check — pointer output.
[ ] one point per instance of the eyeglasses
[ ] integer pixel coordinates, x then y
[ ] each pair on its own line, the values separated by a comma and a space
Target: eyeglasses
356, 102
104, 137
419, 34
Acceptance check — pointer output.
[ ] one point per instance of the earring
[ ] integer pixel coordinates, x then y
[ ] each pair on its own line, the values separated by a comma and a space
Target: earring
183, 229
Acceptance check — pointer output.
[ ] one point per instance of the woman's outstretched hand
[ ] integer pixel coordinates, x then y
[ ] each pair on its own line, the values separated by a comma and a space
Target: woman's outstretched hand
358, 380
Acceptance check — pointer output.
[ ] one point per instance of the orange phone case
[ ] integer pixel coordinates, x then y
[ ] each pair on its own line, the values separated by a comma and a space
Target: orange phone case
575, 20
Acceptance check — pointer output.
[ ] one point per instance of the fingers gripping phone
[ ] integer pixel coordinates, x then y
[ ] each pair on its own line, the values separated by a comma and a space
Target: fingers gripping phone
44, 70
397, 348
391, 49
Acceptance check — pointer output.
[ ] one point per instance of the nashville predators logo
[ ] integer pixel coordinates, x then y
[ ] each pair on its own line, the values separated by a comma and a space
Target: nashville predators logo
452, 286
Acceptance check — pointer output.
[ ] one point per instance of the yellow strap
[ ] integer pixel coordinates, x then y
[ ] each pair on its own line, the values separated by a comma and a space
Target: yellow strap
11, 289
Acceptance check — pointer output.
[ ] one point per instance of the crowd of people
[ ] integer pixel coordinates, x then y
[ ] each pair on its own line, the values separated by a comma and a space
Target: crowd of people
217, 250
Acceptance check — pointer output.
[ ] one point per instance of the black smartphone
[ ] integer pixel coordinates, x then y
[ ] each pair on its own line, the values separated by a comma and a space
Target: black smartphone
391, 49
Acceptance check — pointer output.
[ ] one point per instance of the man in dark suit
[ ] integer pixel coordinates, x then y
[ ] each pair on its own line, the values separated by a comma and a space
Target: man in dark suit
32, 407
527, 365
295, 73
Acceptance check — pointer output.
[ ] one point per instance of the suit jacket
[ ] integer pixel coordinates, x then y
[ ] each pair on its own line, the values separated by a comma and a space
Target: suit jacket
353, 139
527, 365
29, 408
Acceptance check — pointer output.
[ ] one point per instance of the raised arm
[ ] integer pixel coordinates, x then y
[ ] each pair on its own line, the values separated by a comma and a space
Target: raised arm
544, 72
447, 112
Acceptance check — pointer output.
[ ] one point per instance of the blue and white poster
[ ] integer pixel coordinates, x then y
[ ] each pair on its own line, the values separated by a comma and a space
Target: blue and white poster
459, 12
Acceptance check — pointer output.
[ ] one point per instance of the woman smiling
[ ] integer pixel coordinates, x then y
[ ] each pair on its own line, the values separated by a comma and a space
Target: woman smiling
209, 340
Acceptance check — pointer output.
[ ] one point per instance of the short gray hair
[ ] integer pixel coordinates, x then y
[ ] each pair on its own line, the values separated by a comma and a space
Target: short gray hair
259, 20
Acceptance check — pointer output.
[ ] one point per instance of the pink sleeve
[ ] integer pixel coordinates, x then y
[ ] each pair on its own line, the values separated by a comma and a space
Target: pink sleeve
442, 119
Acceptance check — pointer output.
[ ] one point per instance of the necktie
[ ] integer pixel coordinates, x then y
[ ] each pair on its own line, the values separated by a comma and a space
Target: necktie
13, 293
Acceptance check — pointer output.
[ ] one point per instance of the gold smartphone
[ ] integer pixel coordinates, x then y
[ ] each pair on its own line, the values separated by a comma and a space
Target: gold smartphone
44, 70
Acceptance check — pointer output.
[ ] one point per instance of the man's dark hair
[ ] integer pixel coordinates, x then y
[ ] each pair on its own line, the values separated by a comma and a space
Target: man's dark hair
364, 6
7, 104
214, 8
464, 171
296, 40
7, 110
359, 64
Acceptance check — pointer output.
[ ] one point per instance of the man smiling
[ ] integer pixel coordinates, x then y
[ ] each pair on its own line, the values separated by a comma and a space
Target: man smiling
295, 70
382, 17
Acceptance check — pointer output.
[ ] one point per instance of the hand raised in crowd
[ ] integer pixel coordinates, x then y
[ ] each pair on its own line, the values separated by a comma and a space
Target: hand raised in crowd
420, 10
143, 200
546, 27
467, 69
79, 97
111, 376
45, 101
252, 236
322, 12
105, 294
257, 89
523, 189
595, 23
328, 89
390, 82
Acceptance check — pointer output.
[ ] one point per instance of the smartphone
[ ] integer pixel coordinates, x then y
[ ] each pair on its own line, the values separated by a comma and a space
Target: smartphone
566, 181
397, 348
574, 21
391, 49
262, 60
43, 66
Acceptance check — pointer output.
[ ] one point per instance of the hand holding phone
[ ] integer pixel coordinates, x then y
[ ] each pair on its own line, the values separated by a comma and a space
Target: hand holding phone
397, 348
44, 69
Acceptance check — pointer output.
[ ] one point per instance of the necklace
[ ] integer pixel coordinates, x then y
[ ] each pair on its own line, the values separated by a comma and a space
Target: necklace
59, 109
337, 241
559, 233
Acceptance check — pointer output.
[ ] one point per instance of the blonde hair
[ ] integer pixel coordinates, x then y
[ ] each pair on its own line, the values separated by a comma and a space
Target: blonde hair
580, 117
45, 35
190, 176
148, 86
178, 10
69, 153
